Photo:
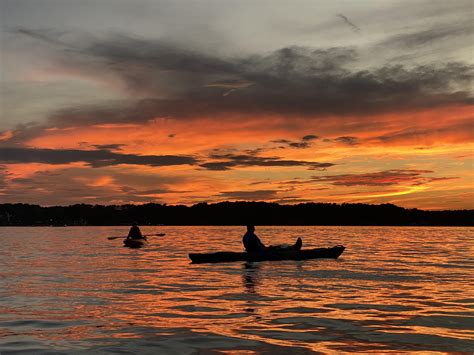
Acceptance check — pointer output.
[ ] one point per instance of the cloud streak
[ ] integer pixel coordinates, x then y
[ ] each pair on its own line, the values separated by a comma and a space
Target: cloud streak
94, 158
382, 178
229, 161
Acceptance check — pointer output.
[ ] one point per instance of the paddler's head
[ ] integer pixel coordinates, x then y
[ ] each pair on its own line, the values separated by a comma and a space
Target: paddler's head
134, 224
250, 228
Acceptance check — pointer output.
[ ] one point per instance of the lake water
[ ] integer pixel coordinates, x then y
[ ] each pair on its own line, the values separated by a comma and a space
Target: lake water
70, 290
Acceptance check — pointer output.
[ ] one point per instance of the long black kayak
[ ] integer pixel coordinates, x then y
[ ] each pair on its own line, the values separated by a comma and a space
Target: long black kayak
282, 254
134, 243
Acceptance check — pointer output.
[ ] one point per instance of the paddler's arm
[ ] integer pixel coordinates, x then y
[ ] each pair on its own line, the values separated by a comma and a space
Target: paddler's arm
259, 242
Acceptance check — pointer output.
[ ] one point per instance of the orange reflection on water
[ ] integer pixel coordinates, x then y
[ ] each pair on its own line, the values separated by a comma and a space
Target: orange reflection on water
78, 289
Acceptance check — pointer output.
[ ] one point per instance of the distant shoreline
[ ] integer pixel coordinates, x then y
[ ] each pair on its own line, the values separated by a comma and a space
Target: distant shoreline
231, 214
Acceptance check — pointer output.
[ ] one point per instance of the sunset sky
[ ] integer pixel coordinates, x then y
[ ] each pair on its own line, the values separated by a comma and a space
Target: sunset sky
179, 102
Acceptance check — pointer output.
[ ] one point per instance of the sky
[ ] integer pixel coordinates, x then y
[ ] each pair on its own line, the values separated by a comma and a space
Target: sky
181, 102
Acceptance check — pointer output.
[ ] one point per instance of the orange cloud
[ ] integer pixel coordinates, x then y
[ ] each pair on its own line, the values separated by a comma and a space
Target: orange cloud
6, 135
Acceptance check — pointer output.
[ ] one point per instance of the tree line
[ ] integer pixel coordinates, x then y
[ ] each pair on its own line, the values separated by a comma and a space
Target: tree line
230, 213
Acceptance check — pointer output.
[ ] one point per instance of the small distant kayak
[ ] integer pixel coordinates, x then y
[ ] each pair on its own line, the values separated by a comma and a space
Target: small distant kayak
274, 255
134, 243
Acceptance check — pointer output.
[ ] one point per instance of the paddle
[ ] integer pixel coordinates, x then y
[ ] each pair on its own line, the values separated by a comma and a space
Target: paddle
145, 235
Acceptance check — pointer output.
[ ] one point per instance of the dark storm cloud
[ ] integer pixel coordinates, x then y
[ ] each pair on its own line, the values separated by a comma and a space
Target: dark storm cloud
290, 82
95, 158
229, 161
256, 195
382, 178
382, 90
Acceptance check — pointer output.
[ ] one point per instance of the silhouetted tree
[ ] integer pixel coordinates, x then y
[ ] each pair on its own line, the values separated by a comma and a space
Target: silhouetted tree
230, 213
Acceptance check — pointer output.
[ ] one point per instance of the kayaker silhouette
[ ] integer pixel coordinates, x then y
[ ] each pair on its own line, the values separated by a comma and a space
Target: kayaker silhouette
253, 244
135, 232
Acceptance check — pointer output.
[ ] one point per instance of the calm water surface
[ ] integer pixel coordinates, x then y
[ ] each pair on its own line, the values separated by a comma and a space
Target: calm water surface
70, 290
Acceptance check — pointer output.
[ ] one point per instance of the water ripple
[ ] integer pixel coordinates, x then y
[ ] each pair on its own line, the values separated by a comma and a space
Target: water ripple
70, 290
